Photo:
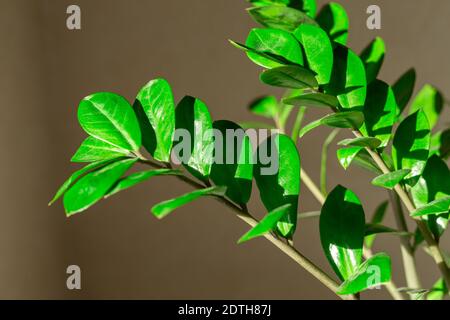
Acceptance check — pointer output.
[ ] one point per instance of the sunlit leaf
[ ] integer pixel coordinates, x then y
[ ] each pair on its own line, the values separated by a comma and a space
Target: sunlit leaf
334, 19
364, 142
280, 17
390, 180
92, 150
373, 57
293, 77
315, 100
431, 101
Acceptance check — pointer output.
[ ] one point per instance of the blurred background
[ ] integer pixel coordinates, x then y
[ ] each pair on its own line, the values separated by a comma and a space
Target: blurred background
123, 251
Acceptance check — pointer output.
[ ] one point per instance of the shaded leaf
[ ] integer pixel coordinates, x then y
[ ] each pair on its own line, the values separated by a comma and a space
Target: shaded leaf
155, 109
279, 183
93, 186
192, 115
350, 119
411, 144
265, 107
377, 218
334, 20
318, 51
110, 118
440, 144
431, 101
373, 272
293, 77
342, 227
138, 177
318, 100
92, 150
233, 168
374, 229
438, 291
403, 89
256, 125
373, 57
279, 17
266, 57
390, 180
163, 209
266, 225
435, 207
379, 112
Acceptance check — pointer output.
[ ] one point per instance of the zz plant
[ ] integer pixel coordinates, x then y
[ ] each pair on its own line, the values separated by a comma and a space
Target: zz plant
305, 52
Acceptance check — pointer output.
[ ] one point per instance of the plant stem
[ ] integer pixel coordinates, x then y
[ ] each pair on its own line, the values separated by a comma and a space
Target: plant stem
409, 263
298, 123
312, 186
429, 239
289, 250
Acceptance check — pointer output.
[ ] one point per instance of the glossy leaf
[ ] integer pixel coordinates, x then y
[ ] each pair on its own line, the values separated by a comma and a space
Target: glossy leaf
431, 101
279, 183
350, 119
266, 107
277, 42
373, 57
155, 108
334, 20
377, 219
234, 169
280, 17
364, 142
315, 100
318, 51
76, 175
347, 155
403, 89
436, 207
293, 77
379, 112
137, 178
266, 57
163, 209
411, 144
110, 118
373, 272
307, 6
266, 225
348, 81
92, 187
342, 227
192, 115
390, 180
92, 150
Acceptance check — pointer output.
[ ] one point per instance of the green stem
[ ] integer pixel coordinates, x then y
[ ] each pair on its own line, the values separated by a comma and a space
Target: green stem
298, 123
429, 238
289, 250
324, 160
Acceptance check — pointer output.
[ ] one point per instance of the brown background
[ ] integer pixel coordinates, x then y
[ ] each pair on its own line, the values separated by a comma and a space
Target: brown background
123, 251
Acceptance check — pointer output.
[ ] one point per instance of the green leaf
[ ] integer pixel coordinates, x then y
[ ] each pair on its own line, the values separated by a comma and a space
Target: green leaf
438, 291
365, 161
433, 184
163, 209
315, 100
277, 42
110, 118
431, 101
411, 144
347, 155
440, 144
318, 50
403, 89
92, 150
266, 107
293, 77
138, 177
234, 169
76, 175
348, 81
364, 142
373, 272
436, 207
390, 180
155, 108
374, 229
334, 20
278, 179
256, 125
307, 6
192, 115
377, 218
373, 57
93, 186
266, 225
267, 57
350, 119
379, 112
279, 17
342, 227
